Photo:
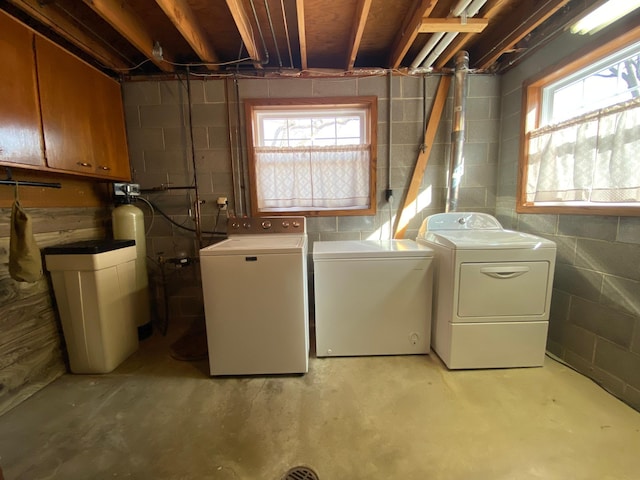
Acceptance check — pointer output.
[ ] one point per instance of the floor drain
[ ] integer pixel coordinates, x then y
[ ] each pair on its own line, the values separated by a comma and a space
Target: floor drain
300, 473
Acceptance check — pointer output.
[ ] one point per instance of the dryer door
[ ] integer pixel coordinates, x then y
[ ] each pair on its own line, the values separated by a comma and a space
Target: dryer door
503, 289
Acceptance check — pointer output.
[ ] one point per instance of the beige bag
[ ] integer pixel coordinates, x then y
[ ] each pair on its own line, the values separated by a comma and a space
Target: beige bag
25, 261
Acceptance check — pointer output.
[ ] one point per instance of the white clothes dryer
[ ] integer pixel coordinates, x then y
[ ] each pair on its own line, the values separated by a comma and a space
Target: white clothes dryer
372, 297
492, 291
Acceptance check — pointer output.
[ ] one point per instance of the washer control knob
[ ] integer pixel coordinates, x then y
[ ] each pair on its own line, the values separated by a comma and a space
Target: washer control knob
246, 225
296, 224
285, 224
235, 225
266, 225
462, 220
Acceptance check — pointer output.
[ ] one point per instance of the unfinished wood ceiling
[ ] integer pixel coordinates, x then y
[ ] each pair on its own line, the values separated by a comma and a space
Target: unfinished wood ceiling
298, 36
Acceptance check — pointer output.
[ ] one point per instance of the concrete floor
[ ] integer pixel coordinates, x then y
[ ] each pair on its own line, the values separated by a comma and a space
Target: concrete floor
403, 417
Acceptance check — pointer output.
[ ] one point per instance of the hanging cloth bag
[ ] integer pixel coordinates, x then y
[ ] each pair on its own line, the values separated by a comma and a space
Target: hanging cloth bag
25, 261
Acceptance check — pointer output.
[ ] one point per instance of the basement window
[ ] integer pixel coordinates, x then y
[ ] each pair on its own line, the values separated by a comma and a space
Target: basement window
581, 144
312, 156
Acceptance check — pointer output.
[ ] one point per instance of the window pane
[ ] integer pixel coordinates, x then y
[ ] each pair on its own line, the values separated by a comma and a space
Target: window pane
313, 157
349, 127
606, 82
348, 141
274, 128
583, 150
324, 142
299, 131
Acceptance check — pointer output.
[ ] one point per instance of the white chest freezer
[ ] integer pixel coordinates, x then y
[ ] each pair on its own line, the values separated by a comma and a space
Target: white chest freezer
372, 297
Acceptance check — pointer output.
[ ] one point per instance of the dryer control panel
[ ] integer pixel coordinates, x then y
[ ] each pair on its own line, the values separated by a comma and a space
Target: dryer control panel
461, 221
266, 225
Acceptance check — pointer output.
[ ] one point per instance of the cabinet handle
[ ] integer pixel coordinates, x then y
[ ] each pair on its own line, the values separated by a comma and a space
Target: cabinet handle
84, 164
104, 167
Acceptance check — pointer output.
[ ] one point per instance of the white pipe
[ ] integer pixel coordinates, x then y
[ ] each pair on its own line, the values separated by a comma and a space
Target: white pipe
472, 7
436, 52
433, 40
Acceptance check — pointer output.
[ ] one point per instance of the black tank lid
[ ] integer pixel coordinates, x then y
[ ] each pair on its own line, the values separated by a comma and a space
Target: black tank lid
88, 247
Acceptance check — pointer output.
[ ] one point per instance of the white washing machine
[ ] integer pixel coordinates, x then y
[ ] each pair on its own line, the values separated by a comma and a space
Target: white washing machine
492, 291
372, 297
255, 298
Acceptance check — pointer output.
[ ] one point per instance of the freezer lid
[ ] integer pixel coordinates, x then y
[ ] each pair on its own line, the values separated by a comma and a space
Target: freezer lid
369, 249
257, 245
485, 239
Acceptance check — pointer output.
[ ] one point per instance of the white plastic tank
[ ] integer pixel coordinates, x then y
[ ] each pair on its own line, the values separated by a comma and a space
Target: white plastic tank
128, 224
94, 283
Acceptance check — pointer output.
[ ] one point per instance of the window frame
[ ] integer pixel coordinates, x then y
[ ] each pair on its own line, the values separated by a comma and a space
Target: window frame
253, 105
532, 104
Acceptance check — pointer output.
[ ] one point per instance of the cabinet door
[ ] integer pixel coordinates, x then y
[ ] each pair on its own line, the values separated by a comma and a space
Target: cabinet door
82, 117
20, 134
109, 134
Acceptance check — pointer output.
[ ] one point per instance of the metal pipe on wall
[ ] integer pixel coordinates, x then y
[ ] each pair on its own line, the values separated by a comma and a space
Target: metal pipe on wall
456, 163
235, 176
197, 202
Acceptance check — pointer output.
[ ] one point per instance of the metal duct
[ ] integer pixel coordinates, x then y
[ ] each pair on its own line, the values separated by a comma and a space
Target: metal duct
456, 163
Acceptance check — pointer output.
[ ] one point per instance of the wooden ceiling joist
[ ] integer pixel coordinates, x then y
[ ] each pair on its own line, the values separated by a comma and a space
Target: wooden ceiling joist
526, 18
472, 25
51, 16
408, 34
302, 36
362, 12
182, 16
243, 24
119, 15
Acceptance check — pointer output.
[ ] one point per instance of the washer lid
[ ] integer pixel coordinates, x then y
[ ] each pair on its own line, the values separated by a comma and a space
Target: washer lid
257, 245
369, 249
486, 239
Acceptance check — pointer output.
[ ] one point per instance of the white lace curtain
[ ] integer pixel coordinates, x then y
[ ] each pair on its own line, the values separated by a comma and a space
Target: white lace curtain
335, 177
592, 158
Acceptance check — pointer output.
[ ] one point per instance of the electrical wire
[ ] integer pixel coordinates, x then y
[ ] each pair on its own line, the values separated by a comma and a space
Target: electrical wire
208, 64
173, 222
197, 203
121, 70
153, 214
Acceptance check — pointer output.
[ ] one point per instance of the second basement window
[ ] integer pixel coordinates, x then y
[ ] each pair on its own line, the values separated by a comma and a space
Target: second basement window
312, 156
580, 144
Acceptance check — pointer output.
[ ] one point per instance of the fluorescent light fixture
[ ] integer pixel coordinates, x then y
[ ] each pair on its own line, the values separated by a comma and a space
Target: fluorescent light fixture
605, 14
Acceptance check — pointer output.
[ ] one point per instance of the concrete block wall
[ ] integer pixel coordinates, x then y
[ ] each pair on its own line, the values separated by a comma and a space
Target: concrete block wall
160, 150
595, 311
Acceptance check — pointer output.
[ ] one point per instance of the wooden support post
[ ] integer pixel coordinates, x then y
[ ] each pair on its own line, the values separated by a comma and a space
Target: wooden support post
409, 207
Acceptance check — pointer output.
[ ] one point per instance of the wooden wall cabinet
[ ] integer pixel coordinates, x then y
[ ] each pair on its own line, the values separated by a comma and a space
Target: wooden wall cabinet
82, 115
20, 133
57, 113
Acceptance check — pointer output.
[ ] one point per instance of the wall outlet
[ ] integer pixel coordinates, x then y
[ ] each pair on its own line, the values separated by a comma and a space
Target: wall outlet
222, 203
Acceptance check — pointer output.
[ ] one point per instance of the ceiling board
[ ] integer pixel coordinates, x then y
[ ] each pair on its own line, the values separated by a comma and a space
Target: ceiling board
317, 34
